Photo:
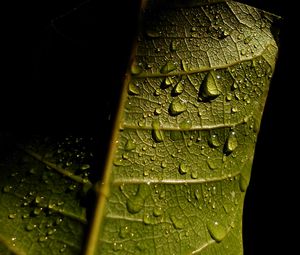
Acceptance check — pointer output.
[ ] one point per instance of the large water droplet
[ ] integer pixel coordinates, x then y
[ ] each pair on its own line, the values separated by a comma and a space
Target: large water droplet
168, 67
216, 231
231, 143
136, 203
157, 134
209, 88
133, 89
177, 222
177, 107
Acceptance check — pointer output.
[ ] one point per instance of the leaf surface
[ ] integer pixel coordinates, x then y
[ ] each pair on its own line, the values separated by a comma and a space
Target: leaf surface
181, 152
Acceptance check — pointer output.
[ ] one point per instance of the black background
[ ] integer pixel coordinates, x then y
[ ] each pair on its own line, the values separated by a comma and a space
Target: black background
65, 78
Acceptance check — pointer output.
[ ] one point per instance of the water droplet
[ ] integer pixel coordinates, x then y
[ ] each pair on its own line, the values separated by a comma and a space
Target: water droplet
216, 231
130, 145
163, 164
177, 222
117, 246
12, 215
234, 109
167, 82
183, 168
51, 231
176, 135
124, 232
247, 39
30, 227
7, 188
185, 124
214, 141
58, 221
231, 143
229, 97
211, 164
153, 34
157, 134
135, 203
25, 216
133, 89
184, 64
197, 194
43, 238
243, 52
136, 69
209, 88
37, 210
147, 219
168, 67
177, 107
194, 174
157, 211
244, 182
157, 111
63, 249
178, 89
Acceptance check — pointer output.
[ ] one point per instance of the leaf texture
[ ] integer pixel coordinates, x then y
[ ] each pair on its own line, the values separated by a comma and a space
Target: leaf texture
184, 142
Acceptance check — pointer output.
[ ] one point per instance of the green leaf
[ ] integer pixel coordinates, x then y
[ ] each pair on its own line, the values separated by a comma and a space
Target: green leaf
182, 147
204, 72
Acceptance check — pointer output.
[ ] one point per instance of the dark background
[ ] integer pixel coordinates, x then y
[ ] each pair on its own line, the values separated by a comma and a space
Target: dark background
61, 70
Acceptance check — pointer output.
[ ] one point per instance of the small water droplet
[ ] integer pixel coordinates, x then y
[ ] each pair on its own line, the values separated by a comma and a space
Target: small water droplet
177, 107
50, 232
157, 211
163, 164
37, 210
7, 188
211, 164
124, 232
117, 246
133, 89
30, 227
186, 124
209, 88
168, 67
231, 143
243, 183
183, 168
157, 111
130, 145
214, 141
58, 221
157, 134
147, 219
63, 249
216, 231
153, 34
184, 64
177, 222
43, 238
247, 39
243, 52
12, 215
197, 194
234, 109
178, 89
136, 69
194, 174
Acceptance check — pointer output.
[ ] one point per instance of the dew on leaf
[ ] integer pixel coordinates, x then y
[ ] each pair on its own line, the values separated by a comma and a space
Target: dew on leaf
231, 143
63, 249
214, 141
147, 219
177, 107
157, 211
12, 215
209, 88
30, 227
183, 168
167, 82
178, 89
133, 89
37, 210
123, 232
185, 124
157, 134
243, 183
85, 167
7, 188
130, 145
194, 174
216, 231
135, 203
153, 34
43, 238
177, 222
168, 67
